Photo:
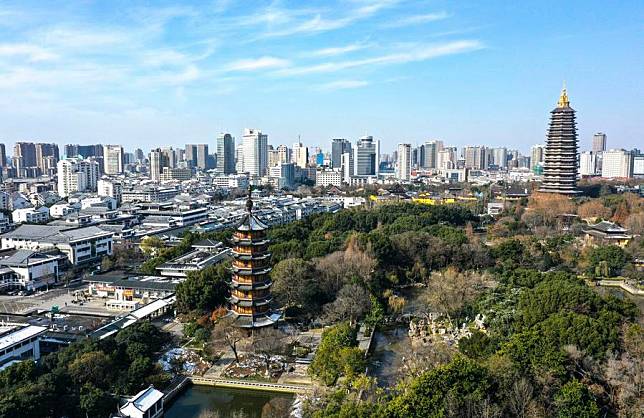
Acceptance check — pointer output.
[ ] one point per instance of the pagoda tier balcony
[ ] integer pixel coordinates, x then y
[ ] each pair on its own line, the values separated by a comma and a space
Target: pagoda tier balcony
251, 256
247, 303
240, 271
246, 286
250, 241
251, 264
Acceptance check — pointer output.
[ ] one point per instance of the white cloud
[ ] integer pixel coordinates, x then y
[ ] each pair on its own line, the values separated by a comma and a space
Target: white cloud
417, 20
338, 50
261, 63
343, 85
34, 53
418, 53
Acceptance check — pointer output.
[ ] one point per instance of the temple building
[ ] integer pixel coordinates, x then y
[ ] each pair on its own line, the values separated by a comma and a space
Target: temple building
250, 286
560, 162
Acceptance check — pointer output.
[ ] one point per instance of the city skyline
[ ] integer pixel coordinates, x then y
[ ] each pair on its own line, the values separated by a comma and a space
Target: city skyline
402, 71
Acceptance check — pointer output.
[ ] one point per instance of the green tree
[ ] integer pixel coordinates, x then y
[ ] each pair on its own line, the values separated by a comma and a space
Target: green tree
575, 401
95, 402
607, 260
204, 290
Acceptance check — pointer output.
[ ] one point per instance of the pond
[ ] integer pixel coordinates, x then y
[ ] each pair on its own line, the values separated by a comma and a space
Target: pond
229, 403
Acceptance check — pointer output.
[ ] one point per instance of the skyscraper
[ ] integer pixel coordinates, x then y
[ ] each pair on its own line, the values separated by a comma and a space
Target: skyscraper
499, 157
432, 148
85, 151
537, 153
76, 175
197, 155
155, 165
338, 147
447, 158
3, 156
26, 153
43, 151
366, 160
403, 168
225, 153
474, 157
560, 161
113, 159
300, 155
599, 142
255, 145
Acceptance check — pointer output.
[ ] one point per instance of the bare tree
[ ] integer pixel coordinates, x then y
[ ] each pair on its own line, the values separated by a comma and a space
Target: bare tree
520, 399
268, 342
209, 413
228, 333
351, 303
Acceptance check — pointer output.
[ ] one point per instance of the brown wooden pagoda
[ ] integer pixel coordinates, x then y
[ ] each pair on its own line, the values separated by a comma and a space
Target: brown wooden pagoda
250, 286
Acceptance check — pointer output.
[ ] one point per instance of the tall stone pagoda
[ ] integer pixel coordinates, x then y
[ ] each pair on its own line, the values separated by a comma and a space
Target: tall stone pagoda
250, 286
560, 161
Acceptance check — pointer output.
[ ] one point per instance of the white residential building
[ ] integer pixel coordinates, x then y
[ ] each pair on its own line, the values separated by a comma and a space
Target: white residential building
111, 188
617, 163
403, 167
587, 163
325, 178
300, 155
31, 215
113, 159
255, 145
76, 175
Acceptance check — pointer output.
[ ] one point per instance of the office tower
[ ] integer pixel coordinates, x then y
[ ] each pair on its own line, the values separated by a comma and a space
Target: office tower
499, 157
113, 159
225, 153
300, 155
599, 142
432, 148
26, 152
138, 154
85, 151
447, 158
255, 152
273, 157
414, 157
537, 153
474, 157
617, 163
202, 156
338, 147
3, 156
560, 161
366, 159
346, 163
403, 168
284, 153
77, 175
239, 158
587, 163
156, 166
285, 172
421, 156
250, 287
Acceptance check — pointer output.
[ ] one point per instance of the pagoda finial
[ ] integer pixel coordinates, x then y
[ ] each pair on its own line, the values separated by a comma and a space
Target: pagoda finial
249, 202
563, 98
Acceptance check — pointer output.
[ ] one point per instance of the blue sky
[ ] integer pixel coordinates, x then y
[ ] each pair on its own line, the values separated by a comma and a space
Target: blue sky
152, 73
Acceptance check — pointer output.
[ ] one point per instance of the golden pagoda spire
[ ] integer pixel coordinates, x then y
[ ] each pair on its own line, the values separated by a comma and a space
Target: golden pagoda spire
563, 99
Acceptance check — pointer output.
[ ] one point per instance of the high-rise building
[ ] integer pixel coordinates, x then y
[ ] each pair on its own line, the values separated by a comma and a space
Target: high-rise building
338, 147
475, 157
560, 161
3, 156
197, 155
403, 167
284, 153
255, 152
617, 163
447, 158
43, 151
225, 153
599, 142
155, 164
499, 157
366, 159
250, 287
300, 155
587, 163
138, 154
432, 148
346, 162
77, 175
26, 152
284, 172
113, 159
537, 153
168, 158
85, 151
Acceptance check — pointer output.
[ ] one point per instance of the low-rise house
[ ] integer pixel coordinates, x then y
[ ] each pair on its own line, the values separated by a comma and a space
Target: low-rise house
124, 292
80, 245
194, 261
146, 404
5, 223
31, 215
606, 232
28, 270
19, 342
62, 209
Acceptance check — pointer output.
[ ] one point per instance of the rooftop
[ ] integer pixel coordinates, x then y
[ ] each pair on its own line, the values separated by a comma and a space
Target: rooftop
10, 334
55, 234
